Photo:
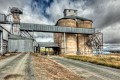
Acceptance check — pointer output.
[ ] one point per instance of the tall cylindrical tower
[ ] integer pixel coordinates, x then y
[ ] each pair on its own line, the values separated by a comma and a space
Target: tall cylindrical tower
82, 38
73, 43
69, 45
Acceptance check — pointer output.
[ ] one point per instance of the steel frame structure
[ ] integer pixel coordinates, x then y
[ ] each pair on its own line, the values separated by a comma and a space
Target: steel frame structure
95, 39
96, 42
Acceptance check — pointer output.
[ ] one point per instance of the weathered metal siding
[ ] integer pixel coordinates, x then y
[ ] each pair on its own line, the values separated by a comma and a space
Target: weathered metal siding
20, 45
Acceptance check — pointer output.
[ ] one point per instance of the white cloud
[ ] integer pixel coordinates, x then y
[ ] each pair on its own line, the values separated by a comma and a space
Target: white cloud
112, 33
28, 15
105, 14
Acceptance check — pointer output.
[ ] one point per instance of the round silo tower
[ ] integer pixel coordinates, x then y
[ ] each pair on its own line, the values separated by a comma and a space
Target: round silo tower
74, 43
70, 39
70, 45
83, 38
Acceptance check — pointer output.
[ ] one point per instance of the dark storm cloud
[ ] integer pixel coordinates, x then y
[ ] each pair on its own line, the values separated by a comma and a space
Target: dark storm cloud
105, 13
42, 5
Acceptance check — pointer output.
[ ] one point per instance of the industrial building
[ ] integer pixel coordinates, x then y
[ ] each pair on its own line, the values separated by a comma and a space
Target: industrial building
3, 40
75, 43
72, 34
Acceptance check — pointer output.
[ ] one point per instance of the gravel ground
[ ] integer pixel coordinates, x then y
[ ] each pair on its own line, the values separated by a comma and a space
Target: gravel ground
47, 69
7, 56
25, 67
15, 68
4, 62
88, 70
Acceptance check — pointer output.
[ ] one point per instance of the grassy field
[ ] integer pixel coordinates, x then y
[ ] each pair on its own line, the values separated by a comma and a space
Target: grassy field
106, 60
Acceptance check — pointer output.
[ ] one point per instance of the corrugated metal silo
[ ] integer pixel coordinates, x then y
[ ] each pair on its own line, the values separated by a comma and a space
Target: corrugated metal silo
70, 39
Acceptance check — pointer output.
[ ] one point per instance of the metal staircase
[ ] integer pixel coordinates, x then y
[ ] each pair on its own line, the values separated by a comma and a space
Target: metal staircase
96, 42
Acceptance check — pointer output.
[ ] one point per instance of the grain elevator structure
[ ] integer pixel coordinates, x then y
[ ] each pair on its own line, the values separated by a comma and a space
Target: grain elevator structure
72, 34
74, 43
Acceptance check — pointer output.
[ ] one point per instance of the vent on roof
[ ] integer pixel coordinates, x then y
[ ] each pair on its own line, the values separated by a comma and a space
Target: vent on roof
70, 12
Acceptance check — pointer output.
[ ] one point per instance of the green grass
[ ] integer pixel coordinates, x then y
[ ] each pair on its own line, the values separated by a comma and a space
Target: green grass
105, 60
35, 54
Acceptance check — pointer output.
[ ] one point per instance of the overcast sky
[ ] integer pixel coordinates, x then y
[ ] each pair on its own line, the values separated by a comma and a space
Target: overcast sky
104, 13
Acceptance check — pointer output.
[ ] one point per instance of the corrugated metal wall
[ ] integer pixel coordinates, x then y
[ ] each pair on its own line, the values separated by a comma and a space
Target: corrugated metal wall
2, 18
20, 45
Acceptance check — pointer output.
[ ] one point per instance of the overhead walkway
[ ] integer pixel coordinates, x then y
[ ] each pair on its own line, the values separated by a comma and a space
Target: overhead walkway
54, 29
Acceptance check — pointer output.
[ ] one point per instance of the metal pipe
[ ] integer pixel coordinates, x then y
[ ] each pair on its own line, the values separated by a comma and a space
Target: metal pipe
78, 44
64, 43
1, 42
77, 38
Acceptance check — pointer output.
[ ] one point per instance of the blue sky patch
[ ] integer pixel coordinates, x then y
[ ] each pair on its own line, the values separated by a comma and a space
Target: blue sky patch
42, 5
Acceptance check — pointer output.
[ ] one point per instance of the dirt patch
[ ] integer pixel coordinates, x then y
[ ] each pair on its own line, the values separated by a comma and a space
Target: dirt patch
46, 69
4, 57
12, 76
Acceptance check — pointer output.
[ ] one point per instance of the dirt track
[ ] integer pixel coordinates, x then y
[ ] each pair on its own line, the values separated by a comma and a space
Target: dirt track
46, 69
25, 66
88, 70
15, 67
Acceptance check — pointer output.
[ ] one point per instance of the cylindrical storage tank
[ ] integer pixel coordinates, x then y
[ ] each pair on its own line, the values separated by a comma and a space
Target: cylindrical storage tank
56, 37
67, 22
82, 44
69, 46
83, 38
84, 24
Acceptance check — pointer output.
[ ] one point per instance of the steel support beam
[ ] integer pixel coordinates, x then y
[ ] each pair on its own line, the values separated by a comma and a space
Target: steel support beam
64, 39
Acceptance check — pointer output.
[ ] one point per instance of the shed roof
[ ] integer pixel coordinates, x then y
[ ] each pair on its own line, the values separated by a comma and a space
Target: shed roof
48, 44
